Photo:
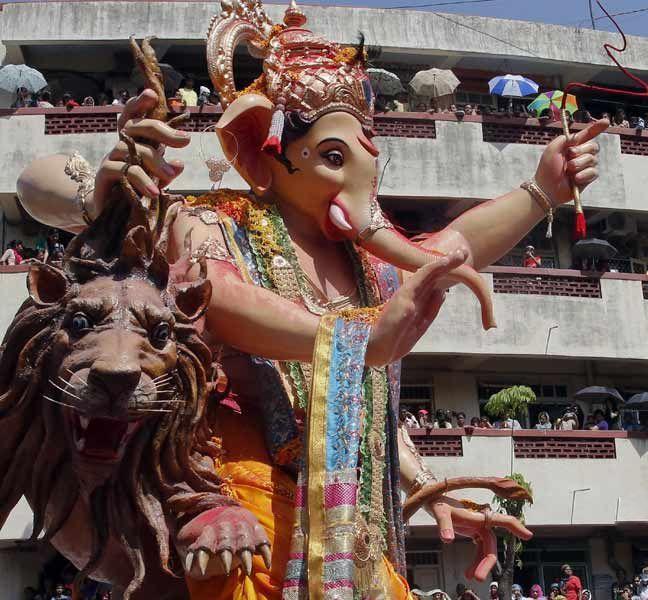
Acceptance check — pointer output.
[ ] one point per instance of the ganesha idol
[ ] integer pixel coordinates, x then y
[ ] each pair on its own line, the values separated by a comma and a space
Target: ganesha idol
316, 296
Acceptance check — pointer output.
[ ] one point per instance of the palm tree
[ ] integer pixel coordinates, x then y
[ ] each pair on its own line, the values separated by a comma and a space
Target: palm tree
512, 545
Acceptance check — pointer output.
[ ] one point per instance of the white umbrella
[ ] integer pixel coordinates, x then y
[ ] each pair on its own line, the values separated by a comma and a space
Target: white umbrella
434, 83
13, 77
384, 82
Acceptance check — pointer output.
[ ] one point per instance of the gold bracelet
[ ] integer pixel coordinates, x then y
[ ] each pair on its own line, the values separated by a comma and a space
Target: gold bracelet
422, 478
541, 198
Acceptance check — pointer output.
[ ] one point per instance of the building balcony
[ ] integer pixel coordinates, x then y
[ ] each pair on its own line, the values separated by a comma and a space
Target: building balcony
578, 477
540, 313
430, 155
546, 312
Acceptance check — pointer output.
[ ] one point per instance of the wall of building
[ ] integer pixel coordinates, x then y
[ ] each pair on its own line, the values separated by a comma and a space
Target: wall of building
406, 31
587, 327
607, 499
19, 567
13, 292
457, 164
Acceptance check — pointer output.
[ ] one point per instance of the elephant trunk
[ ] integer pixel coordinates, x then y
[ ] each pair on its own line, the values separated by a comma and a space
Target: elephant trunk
394, 248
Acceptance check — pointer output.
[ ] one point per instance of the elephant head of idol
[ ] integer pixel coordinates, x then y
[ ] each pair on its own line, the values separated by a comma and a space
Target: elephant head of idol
300, 135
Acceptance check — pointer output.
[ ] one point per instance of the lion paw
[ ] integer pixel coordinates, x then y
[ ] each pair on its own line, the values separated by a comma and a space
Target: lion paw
220, 539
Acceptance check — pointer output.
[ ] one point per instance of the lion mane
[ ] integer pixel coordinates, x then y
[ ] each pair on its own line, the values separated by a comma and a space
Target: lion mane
167, 470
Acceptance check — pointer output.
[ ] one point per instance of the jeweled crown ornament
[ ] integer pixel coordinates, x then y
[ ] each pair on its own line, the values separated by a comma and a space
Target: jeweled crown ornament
301, 72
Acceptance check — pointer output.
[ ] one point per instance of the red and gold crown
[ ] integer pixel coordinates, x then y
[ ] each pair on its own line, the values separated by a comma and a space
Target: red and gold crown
301, 72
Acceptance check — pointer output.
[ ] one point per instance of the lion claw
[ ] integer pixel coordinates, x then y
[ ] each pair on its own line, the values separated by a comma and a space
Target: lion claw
264, 551
246, 560
226, 560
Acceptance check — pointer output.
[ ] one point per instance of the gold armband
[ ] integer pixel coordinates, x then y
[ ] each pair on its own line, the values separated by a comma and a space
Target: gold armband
78, 169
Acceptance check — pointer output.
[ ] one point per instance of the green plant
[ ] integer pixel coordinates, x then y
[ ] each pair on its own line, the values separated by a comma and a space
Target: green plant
512, 546
510, 402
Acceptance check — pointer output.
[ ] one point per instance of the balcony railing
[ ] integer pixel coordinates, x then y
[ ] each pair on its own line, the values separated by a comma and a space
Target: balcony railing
495, 128
527, 443
555, 282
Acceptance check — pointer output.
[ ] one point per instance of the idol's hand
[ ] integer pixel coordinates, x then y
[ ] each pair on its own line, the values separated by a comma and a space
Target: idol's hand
410, 311
153, 137
452, 517
564, 161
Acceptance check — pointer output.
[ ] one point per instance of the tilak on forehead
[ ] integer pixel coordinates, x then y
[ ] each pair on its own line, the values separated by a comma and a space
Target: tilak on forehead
301, 72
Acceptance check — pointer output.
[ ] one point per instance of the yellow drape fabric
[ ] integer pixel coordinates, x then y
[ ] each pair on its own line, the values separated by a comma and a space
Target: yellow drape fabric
266, 491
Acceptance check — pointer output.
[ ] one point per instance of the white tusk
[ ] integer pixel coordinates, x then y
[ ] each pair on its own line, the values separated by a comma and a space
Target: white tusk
338, 218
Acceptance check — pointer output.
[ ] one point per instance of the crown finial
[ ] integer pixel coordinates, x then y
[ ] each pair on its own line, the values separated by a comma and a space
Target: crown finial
294, 17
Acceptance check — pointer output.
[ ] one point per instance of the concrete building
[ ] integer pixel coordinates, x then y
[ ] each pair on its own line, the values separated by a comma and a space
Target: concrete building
559, 329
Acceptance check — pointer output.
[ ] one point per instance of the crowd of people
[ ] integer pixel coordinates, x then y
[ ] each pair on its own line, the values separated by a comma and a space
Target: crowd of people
185, 96
569, 587
49, 250
572, 418
404, 103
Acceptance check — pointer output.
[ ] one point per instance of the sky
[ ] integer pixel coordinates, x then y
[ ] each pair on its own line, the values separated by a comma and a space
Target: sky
573, 13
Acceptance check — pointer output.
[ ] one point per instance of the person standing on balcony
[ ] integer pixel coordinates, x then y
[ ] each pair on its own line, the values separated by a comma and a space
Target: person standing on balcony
461, 419
530, 260
600, 423
408, 419
424, 418
570, 584
45, 100
537, 593
493, 590
508, 422
620, 119
544, 422
555, 593
187, 93
122, 98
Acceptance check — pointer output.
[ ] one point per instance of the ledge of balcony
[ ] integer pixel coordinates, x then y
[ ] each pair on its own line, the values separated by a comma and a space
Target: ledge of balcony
525, 433
497, 127
14, 268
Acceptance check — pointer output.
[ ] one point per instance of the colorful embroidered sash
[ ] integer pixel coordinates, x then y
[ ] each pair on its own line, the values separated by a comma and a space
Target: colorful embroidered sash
321, 563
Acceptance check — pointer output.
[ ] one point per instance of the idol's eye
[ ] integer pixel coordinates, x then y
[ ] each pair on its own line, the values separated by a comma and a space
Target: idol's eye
161, 333
80, 323
334, 157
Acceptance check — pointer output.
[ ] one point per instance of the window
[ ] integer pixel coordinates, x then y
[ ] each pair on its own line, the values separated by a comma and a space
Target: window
417, 396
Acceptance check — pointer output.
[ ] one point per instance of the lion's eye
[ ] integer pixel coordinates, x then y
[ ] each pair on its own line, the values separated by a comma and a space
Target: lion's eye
80, 323
161, 333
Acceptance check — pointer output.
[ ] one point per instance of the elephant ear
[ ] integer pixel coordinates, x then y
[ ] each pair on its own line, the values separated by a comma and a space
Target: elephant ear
242, 130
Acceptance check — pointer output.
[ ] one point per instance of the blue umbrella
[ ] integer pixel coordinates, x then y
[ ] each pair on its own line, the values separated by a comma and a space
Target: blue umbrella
512, 86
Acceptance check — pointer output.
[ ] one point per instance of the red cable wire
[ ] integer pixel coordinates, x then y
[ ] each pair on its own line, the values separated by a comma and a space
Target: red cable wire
608, 49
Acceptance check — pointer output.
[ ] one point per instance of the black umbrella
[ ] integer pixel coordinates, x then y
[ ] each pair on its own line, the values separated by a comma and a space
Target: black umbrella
594, 248
597, 392
637, 402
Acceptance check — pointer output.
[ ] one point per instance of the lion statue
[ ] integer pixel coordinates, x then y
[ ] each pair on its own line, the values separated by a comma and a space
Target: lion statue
105, 422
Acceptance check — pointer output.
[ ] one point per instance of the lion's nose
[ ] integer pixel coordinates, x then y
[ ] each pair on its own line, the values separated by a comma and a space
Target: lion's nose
118, 380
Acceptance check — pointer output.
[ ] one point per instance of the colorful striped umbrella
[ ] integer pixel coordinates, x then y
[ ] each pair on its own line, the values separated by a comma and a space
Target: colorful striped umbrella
512, 86
554, 97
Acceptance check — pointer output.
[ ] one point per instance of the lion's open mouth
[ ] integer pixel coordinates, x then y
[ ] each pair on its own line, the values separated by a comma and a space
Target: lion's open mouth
101, 438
